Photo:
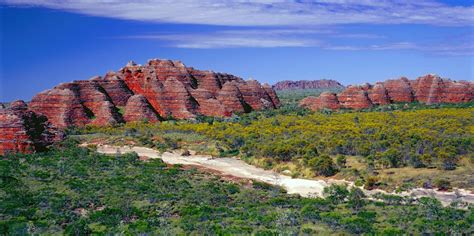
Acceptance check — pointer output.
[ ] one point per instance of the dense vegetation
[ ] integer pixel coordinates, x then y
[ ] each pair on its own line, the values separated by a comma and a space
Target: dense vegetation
72, 190
292, 97
322, 143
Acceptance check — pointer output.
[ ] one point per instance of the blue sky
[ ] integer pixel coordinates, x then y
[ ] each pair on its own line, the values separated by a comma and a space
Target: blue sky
46, 42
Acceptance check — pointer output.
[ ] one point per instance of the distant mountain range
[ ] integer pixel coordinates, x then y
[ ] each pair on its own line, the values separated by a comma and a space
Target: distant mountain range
307, 84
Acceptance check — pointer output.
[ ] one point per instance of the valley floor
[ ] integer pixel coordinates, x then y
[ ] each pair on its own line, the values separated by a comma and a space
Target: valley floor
303, 187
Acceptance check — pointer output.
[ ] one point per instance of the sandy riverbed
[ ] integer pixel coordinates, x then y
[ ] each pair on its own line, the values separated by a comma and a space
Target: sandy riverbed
303, 187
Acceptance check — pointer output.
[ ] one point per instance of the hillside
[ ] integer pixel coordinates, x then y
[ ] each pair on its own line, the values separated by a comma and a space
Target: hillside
307, 84
72, 190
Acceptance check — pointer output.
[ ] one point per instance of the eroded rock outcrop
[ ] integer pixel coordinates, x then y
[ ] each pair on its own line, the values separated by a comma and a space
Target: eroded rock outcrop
76, 104
428, 89
458, 92
231, 97
354, 97
62, 106
307, 84
378, 94
168, 87
255, 95
399, 90
325, 100
139, 109
22, 130
115, 88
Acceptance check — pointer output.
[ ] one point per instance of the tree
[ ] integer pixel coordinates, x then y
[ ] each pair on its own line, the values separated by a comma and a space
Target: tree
448, 160
391, 158
356, 199
370, 182
323, 165
341, 161
442, 184
336, 193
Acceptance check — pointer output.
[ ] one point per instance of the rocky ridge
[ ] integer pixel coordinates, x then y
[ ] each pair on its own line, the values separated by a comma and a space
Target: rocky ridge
428, 89
307, 84
160, 89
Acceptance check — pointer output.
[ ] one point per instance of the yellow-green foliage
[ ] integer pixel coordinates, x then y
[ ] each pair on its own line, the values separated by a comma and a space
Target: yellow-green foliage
418, 138
398, 138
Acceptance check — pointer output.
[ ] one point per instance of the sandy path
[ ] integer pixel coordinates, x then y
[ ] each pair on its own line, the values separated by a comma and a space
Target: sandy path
303, 187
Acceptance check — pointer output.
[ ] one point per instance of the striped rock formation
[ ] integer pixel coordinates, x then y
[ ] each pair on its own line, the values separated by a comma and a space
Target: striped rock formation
428, 89
22, 130
167, 88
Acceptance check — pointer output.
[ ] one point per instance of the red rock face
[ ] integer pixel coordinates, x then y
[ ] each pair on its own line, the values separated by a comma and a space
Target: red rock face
177, 100
326, 100
171, 88
208, 104
138, 109
115, 87
207, 80
399, 90
378, 94
457, 92
231, 97
427, 89
274, 97
312, 103
95, 98
354, 97
431, 89
21, 130
62, 107
307, 84
255, 95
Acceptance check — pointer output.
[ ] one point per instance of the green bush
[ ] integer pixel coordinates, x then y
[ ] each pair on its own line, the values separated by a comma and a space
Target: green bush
323, 165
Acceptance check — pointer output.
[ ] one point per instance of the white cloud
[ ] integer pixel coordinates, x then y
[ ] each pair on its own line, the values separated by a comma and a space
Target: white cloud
268, 12
456, 46
239, 38
281, 23
462, 49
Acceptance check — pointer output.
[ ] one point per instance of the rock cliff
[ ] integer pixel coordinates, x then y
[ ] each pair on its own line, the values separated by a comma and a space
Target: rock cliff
307, 84
158, 90
166, 88
428, 89
22, 130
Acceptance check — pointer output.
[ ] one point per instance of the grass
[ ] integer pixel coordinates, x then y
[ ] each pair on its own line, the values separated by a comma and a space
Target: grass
404, 178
